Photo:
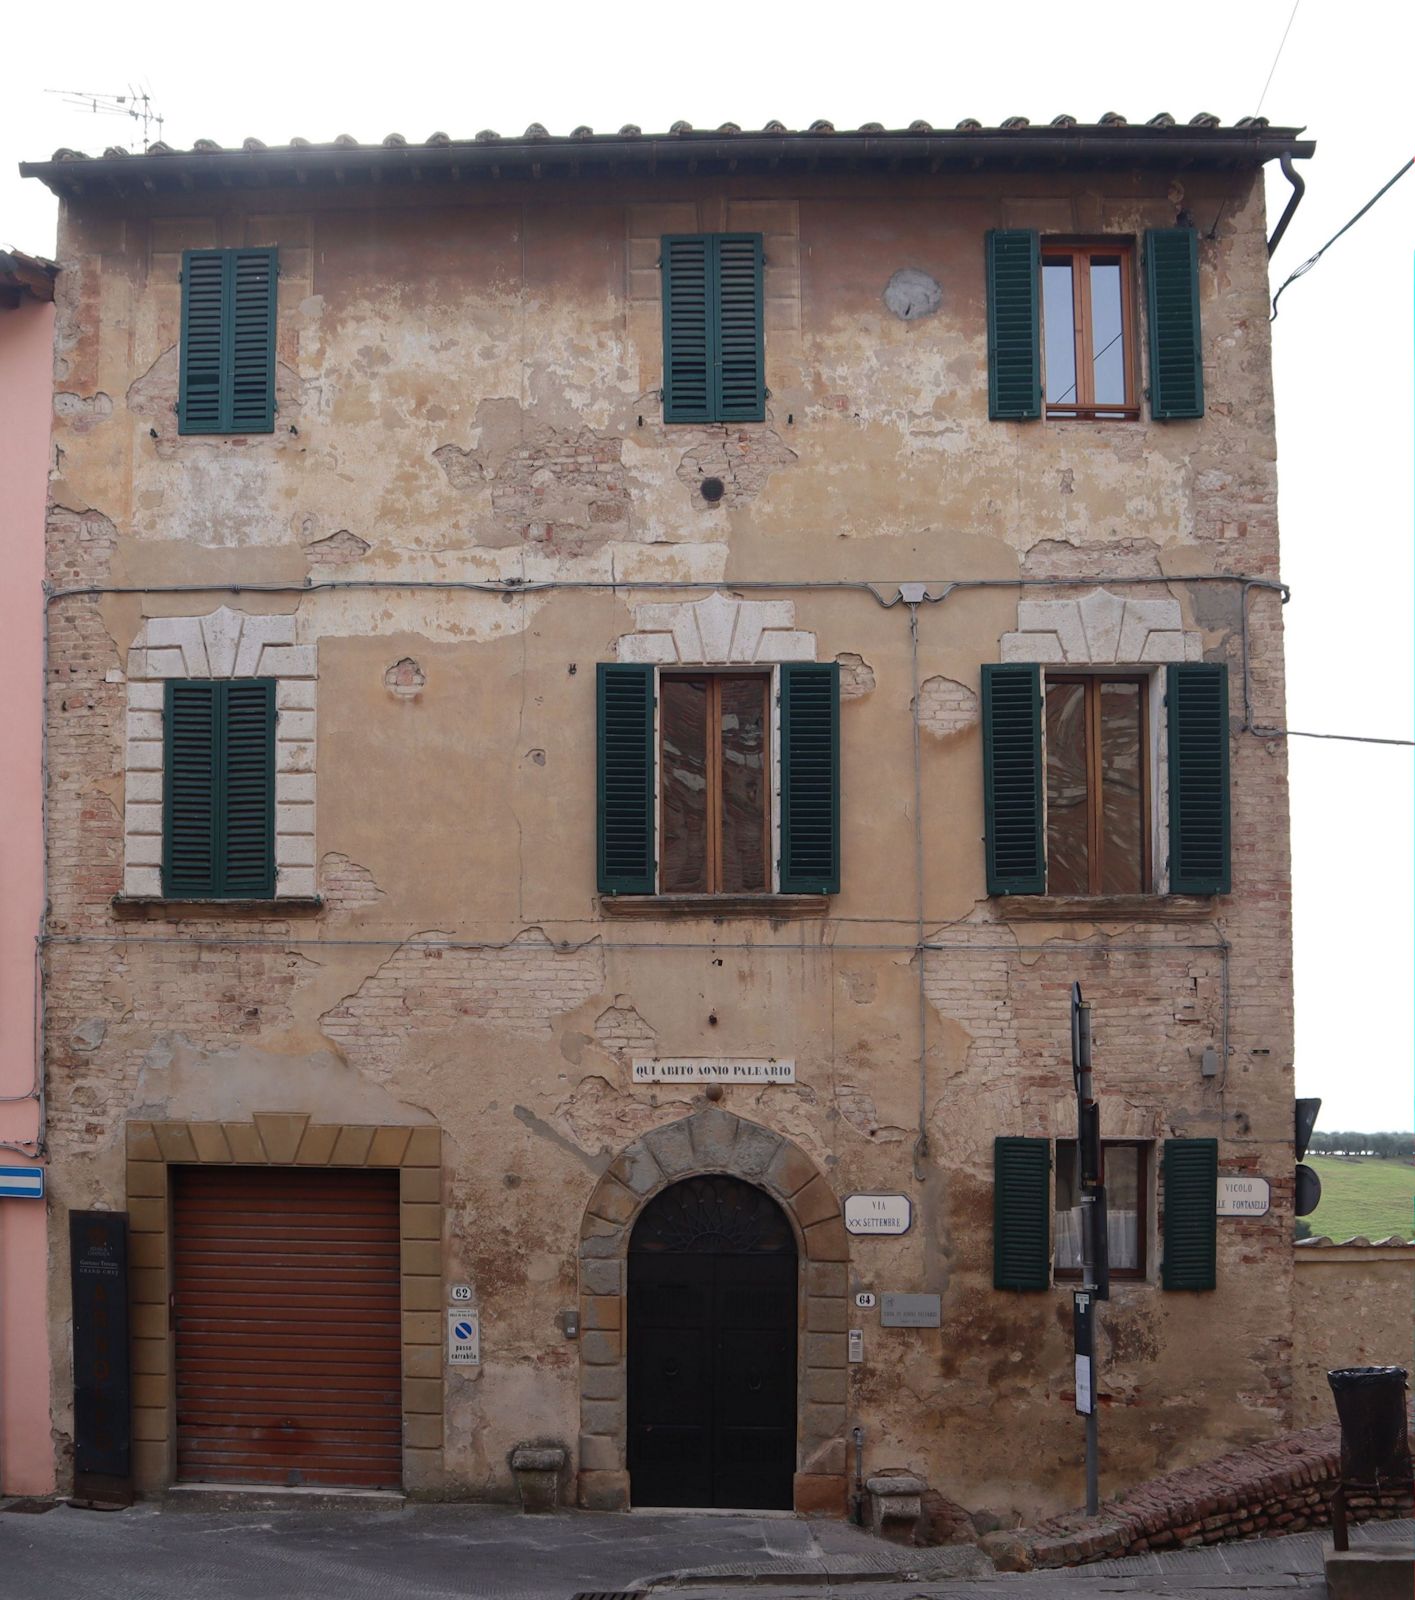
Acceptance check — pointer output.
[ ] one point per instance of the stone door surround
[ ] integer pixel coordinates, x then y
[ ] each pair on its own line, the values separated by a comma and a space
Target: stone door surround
713, 1141
283, 1139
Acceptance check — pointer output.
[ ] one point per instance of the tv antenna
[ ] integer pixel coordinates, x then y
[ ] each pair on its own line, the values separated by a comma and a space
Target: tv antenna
136, 103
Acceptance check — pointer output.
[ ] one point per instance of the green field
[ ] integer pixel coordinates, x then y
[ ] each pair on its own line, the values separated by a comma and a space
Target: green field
1363, 1195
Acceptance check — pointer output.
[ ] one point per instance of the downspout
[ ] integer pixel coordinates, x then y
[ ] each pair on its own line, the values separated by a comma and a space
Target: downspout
1299, 188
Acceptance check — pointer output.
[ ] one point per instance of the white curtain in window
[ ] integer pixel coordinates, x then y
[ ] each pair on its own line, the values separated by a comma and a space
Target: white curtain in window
1123, 1230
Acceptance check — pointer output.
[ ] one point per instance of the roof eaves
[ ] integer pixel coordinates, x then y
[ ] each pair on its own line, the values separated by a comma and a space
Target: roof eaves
920, 147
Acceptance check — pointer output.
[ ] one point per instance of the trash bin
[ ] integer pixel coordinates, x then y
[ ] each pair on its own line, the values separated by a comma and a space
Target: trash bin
1370, 1401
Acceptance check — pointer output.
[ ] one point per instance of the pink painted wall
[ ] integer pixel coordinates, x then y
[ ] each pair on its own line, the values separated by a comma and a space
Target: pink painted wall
26, 386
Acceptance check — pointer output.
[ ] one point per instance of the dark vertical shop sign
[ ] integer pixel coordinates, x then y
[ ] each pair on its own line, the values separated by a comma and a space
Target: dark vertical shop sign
98, 1270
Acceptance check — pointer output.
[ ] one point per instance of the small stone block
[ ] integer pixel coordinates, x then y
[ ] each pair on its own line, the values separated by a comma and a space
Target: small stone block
175, 1140
387, 1147
818, 1494
142, 1142
790, 1171
147, 1178
280, 1134
815, 1203
210, 1141
601, 1311
245, 1143
317, 1146
609, 1491
1371, 1572
351, 1148
421, 1221
424, 1148
419, 1184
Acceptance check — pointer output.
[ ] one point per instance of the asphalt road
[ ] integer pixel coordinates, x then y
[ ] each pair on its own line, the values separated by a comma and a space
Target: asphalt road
153, 1552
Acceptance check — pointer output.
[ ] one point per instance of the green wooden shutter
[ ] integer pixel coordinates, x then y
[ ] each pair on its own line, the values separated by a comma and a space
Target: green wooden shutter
714, 366
219, 790
1014, 275
247, 791
253, 276
190, 727
1176, 347
1021, 1240
625, 784
1012, 779
1197, 712
740, 366
688, 315
810, 778
203, 299
1190, 1213
227, 382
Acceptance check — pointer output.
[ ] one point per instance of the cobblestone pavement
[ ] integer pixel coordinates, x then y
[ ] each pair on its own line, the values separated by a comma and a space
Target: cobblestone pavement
154, 1552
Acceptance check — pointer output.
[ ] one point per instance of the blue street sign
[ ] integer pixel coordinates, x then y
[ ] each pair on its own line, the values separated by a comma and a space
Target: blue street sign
21, 1183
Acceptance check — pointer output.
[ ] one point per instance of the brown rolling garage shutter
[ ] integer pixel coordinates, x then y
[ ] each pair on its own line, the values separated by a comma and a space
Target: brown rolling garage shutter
288, 1326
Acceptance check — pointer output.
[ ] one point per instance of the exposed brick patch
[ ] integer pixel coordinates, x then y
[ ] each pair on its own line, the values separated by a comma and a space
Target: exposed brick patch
338, 550
564, 488
622, 1029
743, 458
857, 676
344, 885
947, 707
463, 469
405, 678
517, 988
1058, 558
215, 997
1269, 1489
83, 412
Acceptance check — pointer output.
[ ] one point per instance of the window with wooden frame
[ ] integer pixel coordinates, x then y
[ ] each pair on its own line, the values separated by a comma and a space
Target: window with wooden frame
1125, 1172
718, 782
714, 783
1098, 837
1088, 330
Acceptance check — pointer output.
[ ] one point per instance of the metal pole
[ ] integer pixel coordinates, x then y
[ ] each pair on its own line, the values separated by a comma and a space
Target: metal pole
1093, 1245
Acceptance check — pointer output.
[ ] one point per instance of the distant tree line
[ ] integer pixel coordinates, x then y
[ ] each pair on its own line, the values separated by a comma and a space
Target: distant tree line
1386, 1146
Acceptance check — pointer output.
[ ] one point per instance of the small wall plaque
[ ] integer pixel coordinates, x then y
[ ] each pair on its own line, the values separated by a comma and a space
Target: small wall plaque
886, 1214
463, 1339
911, 1311
1243, 1197
715, 1069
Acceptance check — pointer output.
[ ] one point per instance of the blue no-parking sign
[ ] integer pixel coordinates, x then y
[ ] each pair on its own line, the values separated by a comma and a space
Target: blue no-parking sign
21, 1183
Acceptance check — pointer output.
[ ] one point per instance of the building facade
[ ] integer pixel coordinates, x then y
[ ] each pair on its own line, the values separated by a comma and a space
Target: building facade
602, 692
26, 381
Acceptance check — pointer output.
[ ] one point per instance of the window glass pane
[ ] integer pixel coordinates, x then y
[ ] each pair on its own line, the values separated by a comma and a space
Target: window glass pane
1066, 1228
744, 785
683, 775
1122, 1197
1122, 811
1068, 851
1123, 1207
1059, 330
1107, 339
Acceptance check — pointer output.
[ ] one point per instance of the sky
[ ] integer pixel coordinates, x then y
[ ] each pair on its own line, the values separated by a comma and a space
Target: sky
1343, 340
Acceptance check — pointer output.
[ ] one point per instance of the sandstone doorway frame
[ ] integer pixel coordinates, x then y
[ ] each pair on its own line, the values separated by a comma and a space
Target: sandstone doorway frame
708, 1142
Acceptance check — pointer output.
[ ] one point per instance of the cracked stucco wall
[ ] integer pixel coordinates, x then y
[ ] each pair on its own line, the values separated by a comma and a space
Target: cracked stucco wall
468, 392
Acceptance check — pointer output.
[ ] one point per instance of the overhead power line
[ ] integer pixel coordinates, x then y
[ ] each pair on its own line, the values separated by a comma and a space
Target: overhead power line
1311, 261
1278, 57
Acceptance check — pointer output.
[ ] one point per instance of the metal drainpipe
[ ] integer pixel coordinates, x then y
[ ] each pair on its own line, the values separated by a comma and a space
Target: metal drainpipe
1299, 188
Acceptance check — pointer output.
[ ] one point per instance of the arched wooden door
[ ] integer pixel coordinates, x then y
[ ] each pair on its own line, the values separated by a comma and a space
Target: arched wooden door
712, 1349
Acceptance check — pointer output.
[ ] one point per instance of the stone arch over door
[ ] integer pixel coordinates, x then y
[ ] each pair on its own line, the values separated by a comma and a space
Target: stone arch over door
714, 1141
